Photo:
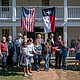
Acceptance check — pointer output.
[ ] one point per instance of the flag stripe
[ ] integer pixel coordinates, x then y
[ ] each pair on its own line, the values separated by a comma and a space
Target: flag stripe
27, 19
52, 21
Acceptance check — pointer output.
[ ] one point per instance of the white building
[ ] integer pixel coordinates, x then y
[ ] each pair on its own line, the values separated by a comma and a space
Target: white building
67, 17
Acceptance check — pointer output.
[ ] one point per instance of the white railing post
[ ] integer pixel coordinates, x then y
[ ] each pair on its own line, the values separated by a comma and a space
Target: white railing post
65, 33
65, 10
14, 32
14, 37
14, 10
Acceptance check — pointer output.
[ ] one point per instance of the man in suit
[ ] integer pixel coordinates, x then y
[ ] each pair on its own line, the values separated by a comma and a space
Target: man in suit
50, 40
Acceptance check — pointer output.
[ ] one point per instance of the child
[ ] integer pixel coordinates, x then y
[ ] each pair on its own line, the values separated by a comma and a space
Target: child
64, 50
25, 58
77, 48
47, 52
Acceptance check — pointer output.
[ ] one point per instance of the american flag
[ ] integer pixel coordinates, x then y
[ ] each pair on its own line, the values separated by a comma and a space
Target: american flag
27, 19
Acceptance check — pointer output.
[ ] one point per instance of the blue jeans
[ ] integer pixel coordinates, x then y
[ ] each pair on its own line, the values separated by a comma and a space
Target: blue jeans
58, 57
64, 61
50, 58
30, 61
37, 61
4, 59
46, 57
18, 55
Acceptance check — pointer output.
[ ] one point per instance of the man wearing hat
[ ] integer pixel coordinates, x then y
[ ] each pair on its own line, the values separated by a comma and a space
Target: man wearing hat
18, 43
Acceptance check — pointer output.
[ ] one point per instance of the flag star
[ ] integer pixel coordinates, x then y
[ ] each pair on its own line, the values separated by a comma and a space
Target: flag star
49, 12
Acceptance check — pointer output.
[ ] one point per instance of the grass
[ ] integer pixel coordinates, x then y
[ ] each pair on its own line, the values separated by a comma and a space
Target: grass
16, 73
12, 74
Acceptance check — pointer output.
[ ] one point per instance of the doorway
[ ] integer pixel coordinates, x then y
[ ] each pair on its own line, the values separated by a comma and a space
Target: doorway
58, 32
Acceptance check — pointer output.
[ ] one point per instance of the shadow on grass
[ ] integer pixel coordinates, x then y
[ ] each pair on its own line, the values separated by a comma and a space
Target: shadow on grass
14, 71
72, 67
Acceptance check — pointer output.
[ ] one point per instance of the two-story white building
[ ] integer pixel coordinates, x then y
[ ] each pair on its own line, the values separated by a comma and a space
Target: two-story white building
67, 17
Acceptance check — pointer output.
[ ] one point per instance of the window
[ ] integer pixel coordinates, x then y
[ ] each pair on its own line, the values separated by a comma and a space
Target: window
5, 32
5, 3
45, 2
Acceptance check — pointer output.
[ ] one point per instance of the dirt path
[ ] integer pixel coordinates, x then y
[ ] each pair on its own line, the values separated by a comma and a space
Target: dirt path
54, 74
43, 75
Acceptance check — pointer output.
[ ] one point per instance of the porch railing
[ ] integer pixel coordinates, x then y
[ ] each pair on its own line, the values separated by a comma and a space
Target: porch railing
59, 11
74, 12
6, 12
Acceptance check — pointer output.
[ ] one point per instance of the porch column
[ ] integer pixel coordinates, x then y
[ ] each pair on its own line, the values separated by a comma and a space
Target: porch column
46, 36
65, 33
14, 37
14, 32
65, 10
13, 10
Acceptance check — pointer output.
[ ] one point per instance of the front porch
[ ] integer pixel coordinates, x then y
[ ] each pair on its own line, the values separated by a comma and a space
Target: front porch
65, 17
11, 13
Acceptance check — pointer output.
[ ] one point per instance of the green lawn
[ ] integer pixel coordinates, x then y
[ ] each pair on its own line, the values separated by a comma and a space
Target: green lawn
12, 74
16, 73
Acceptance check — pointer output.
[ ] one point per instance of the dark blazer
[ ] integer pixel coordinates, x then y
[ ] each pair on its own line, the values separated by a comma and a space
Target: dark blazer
50, 42
11, 46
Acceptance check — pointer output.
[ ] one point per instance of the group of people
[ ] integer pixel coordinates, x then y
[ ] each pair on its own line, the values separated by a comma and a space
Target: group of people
6, 52
29, 51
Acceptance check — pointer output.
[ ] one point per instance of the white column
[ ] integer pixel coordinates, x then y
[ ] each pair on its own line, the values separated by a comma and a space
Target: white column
14, 37
14, 32
65, 10
13, 10
65, 33
46, 36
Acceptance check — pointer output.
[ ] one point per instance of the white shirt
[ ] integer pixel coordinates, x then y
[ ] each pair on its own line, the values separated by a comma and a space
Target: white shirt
30, 47
25, 52
52, 40
41, 41
18, 42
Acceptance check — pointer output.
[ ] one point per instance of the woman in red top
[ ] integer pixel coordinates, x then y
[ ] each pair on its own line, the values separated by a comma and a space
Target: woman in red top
3, 52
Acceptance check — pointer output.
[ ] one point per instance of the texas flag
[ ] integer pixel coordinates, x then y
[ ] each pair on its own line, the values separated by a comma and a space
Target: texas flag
49, 19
